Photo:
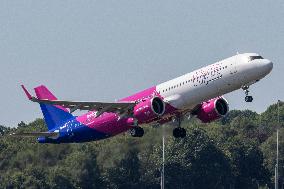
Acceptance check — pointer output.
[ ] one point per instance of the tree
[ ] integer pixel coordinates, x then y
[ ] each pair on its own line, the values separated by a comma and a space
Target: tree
247, 163
269, 152
126, 172
192, 162
236, 152
82, 169
30, 177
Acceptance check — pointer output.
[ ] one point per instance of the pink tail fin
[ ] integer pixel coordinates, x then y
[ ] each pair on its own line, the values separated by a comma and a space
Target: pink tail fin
43, 93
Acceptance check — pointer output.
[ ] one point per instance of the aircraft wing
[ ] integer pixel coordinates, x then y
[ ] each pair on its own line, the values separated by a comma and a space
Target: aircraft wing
81, 105
36, 134
101, 107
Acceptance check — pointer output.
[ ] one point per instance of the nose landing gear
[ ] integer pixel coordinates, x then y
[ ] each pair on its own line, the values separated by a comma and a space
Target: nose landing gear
247, 98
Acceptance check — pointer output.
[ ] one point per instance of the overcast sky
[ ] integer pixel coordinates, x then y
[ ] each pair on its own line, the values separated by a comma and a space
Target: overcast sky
105, 50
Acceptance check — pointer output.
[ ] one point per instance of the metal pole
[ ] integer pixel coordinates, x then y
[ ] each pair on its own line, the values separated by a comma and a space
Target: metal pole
278, 113
277, 155
275, 179
163, 166
277, 146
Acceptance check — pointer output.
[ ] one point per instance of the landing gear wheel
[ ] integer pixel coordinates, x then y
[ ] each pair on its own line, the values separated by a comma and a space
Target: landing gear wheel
248, 99
176, 132
183, 133
179, 132
136, 132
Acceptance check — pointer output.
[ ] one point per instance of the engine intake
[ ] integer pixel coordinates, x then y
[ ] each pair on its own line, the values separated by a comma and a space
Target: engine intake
213, 109
158, 106
149, 109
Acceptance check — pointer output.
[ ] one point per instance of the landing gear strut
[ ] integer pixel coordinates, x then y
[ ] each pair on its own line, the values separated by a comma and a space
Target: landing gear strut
179, 132
247, 98
136, 132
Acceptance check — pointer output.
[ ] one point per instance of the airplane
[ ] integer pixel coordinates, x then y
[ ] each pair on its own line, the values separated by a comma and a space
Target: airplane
198, 93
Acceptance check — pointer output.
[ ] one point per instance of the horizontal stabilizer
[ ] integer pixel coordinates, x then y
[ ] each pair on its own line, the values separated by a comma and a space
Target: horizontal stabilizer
35, 134
27, 92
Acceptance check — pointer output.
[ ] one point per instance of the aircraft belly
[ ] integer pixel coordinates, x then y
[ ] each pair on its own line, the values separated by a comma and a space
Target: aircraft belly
110, 124
87, 128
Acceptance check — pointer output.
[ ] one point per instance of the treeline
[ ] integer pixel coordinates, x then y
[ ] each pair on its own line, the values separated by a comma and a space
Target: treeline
236, 152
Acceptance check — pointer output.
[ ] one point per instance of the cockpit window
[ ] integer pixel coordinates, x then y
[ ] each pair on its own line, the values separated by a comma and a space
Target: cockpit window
255, 57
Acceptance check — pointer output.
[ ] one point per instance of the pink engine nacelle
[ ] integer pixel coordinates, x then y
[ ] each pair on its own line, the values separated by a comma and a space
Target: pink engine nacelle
212, 109
149, 109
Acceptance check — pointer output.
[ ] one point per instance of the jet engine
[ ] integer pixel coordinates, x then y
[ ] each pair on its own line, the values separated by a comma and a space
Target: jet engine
212, 109
149, 109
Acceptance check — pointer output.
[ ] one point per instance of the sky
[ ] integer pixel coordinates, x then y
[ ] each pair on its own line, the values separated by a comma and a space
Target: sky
105, 50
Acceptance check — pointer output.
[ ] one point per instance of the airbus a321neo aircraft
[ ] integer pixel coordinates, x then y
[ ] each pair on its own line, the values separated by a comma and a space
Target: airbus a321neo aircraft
197, 93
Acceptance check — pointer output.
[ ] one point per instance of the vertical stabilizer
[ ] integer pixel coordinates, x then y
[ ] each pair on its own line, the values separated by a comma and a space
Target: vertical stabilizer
54, 115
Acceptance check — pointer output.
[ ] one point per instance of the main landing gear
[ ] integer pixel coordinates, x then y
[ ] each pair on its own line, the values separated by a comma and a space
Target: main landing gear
247, 98
179, 132
136, 131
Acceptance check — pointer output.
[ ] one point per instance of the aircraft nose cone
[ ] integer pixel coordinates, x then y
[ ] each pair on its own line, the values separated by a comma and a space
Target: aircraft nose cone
268, 65
265, 66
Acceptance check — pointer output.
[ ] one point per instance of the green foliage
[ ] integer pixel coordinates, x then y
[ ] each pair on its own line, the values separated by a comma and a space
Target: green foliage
197, 159
269, 152
236, 152
125, 174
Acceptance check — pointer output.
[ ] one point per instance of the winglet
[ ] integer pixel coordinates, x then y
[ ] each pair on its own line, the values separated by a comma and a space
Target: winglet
30, 97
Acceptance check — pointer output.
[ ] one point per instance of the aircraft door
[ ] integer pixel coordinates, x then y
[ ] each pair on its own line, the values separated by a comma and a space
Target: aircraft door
232, 66
232, 79
228, 75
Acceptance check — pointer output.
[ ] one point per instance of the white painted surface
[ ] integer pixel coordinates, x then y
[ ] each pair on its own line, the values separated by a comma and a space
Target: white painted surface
222, 77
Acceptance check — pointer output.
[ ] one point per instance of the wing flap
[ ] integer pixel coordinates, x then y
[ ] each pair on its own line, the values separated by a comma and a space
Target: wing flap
101, 107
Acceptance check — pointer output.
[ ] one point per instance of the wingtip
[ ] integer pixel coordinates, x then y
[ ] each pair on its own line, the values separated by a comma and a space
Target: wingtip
27, 92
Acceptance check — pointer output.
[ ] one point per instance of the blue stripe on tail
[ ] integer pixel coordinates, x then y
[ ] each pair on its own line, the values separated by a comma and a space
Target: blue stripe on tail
53, 116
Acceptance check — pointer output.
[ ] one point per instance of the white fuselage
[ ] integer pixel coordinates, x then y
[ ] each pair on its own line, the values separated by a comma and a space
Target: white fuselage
222, 77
